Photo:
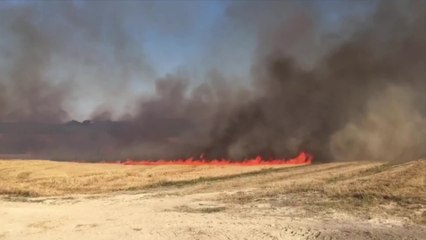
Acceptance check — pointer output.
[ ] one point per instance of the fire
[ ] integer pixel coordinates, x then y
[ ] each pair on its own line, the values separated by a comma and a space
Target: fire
302, 159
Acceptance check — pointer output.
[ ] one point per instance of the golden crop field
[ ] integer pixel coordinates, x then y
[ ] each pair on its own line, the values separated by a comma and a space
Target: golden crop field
344, 179
319, 201
47, 178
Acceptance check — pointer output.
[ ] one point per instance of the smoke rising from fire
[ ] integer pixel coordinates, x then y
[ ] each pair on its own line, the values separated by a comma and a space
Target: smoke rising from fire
357, 93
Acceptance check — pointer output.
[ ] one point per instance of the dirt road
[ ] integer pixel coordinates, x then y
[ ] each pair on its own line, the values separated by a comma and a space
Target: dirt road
197, 216
244, 206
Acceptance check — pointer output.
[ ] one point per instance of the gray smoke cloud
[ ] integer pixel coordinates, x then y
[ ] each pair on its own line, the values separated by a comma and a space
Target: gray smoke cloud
365, 99
25, 95
355, 93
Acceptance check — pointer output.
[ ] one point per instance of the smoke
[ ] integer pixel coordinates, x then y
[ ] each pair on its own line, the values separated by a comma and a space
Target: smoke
353, 91
365, 99
25, 96
392, 128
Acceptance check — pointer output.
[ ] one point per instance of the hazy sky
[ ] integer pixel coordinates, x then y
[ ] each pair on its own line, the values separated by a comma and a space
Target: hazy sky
112, 52
225, 78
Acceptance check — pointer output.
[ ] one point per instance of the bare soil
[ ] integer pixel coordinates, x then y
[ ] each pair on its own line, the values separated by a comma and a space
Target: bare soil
354, 200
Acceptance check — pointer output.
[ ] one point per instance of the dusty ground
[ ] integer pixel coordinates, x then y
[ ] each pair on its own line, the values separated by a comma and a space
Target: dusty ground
357, 200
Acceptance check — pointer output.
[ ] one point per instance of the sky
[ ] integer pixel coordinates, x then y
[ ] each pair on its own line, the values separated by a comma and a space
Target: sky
227, 78
120, 48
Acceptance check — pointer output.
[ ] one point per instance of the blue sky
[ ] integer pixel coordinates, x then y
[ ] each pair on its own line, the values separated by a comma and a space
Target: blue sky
166, 50
102, 46
170, 51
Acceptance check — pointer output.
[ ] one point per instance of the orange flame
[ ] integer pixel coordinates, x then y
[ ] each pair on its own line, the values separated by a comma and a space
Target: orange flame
302, 159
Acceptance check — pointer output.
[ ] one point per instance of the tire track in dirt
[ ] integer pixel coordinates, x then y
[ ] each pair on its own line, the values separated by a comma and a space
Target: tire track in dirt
196, 211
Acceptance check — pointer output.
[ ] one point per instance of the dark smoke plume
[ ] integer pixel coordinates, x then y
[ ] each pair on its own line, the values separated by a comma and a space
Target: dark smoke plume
360, 97
25, 96
364, 100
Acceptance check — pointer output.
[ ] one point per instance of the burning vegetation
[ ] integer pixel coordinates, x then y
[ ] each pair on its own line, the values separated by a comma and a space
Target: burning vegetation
361, 96
302, 159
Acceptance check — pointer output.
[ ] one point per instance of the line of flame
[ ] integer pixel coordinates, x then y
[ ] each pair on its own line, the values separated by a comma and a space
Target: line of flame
302, 159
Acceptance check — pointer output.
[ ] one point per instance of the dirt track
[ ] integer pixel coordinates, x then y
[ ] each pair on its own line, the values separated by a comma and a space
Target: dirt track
264, 205
144, 216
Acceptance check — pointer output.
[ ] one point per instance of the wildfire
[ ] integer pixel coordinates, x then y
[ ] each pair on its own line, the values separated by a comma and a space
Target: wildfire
302, 159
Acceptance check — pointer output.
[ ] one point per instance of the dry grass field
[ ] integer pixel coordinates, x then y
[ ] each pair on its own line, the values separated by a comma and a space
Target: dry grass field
346, 200
33, 178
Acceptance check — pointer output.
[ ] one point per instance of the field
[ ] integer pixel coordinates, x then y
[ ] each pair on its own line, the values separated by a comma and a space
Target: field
346, 200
